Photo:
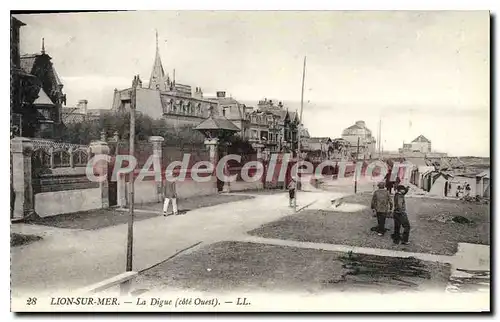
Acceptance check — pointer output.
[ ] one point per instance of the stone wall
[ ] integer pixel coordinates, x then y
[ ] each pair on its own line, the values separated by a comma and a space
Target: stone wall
48, 178
64, 202
150, 191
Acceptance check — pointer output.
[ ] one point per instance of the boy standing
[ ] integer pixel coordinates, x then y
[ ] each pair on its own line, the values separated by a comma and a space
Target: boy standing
170, 194
400, 216
381, 205
467, 190
291, 192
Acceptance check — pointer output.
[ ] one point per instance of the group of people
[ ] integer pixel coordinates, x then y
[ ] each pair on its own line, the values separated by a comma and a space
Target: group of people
383, 206
463, 190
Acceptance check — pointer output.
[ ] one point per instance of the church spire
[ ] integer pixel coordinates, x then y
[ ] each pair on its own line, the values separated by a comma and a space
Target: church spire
157, 79
43, 45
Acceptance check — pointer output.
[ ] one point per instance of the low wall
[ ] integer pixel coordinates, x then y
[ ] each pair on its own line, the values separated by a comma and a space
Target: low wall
191, 188
147, 191
63, 202
242, 185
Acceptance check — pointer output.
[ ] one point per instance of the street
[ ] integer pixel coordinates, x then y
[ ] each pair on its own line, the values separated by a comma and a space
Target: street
260, 244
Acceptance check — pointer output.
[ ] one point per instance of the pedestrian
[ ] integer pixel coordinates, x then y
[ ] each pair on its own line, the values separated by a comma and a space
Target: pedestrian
381, 205
170, 192
461, 191
400, 216
467, 190
292, 186
388, 182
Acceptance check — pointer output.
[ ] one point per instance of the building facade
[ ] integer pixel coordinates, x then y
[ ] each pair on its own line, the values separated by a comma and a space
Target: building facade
50, 97
420, 144
234, 111
367, 143
163, 98
36, 90
81, 113
283, 125
269, 124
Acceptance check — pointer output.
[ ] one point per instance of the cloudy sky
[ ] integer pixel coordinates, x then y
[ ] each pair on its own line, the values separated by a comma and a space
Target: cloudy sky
420, 72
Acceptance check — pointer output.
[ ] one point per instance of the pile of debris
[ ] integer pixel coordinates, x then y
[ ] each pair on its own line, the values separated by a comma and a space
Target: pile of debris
476, 199
416, 191
449, 218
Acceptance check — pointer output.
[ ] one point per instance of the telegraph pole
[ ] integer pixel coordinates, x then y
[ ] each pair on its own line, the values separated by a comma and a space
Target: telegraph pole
356, 169
300, 127
379, 137
130, 235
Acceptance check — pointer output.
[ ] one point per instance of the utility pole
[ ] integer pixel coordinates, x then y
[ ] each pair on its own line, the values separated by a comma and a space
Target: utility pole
130, 235
379, 137
356, 169
300, 127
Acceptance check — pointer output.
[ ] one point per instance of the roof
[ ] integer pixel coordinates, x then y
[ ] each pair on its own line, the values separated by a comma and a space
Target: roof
484, 174
318, 140
355, 127
426, 172
157, 79
224, 100
424, 169
280, 113
97, 111
419, 162
27, 62
217, 122
421, 138
445, 175
293, 115
56, 76
467, 175
43, 99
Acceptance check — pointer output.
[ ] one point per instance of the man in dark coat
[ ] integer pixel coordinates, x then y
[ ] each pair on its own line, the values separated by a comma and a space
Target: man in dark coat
400, 216
170, 191
388, 183
381, 205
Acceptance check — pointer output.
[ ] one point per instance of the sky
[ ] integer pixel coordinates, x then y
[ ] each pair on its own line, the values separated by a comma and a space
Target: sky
418, 72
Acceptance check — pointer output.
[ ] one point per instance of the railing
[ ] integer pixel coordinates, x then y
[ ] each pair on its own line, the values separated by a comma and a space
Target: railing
124, 280
46, 144
53, 155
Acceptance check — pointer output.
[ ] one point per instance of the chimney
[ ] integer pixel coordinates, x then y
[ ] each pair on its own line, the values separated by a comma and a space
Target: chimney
82, 106
198, 93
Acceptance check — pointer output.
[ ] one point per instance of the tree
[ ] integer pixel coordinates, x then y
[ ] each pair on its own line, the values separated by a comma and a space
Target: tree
240, 146
145, 126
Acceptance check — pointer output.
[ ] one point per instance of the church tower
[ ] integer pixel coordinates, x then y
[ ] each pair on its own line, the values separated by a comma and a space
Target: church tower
157, 79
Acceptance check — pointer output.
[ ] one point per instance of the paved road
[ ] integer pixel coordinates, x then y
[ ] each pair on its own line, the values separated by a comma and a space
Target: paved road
69, 259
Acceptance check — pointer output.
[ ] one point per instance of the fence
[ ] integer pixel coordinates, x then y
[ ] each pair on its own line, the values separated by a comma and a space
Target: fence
55, 183
50, 154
